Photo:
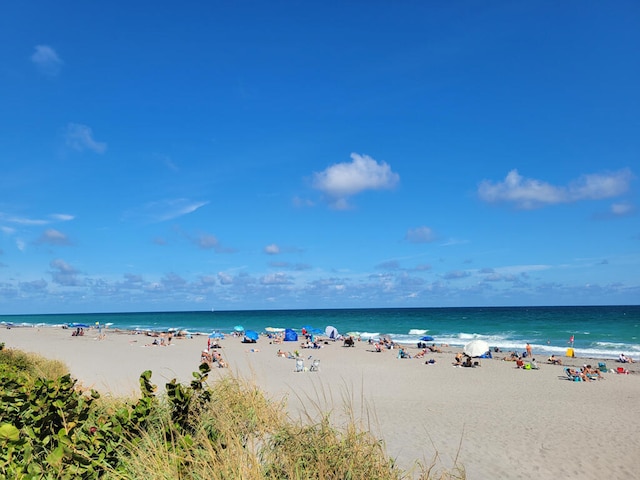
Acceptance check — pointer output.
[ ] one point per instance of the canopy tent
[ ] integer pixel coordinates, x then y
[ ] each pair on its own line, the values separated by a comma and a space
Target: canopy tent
331, 332
251, 335
290, 335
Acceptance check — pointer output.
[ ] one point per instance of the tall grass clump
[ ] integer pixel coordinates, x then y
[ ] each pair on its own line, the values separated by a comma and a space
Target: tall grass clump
30, 366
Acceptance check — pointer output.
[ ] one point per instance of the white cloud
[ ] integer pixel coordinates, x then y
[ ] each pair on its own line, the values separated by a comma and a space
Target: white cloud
63, 273
46, 60
80, 137
420, 235
531, 193
342, 180
53, 237
272, 249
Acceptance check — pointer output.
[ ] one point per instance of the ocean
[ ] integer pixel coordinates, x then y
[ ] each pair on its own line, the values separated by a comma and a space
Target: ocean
601, 332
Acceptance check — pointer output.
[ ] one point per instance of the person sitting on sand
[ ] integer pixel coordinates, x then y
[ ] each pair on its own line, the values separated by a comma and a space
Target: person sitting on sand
402, 353
554, 360
206, 357
513, 356
519, 363
579, 373
624, 359
349, 342
592, 373
458, 359
421, 353
434, 349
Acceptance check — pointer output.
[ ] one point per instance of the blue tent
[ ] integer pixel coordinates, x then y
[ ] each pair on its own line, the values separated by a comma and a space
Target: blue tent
290, 335
251, 335
427, 338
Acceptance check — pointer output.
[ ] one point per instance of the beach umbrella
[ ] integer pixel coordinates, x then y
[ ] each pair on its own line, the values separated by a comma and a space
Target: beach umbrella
476, 348
239, 328
81, 325
251, 335
216, 335
427, 338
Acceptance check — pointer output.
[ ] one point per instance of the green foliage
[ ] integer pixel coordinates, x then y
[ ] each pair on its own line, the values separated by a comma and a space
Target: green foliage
51, 426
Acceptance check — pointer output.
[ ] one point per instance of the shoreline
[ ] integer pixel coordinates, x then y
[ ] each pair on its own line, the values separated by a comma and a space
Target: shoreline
496, 419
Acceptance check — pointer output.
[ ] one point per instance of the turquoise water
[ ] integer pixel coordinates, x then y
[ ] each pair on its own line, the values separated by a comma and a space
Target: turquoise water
604, 331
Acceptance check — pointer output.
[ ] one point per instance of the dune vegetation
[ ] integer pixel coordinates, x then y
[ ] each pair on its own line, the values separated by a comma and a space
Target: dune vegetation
51, 428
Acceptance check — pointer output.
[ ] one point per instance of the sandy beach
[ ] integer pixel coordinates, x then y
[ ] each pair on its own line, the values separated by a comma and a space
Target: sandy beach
499, 421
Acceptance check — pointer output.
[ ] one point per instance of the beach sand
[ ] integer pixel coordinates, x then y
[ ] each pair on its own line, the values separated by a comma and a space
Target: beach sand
498, 421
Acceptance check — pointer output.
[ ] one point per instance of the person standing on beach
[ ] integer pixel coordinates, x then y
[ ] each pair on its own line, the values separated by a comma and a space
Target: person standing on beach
529, 352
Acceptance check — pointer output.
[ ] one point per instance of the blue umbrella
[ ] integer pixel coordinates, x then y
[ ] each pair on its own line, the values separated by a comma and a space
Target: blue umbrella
427, 338
251, 335
216, 335
239, 328
81, 325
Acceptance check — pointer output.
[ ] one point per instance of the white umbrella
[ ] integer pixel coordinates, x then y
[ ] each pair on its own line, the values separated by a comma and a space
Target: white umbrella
476, 348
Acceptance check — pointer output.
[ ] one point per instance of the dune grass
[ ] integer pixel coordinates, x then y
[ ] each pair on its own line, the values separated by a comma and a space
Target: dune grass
226, 430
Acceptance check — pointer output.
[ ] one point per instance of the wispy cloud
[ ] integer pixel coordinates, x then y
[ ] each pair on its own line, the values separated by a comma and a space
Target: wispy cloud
622, 209
61, 217
46, 60
80, 138
343, 180
420, 235
24, 221
164, 210
530, 193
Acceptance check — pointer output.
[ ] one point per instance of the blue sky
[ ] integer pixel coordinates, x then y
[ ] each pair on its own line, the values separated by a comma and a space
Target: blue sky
276, 155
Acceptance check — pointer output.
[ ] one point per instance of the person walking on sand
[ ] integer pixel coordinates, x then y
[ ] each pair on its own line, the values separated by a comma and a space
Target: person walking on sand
529, 352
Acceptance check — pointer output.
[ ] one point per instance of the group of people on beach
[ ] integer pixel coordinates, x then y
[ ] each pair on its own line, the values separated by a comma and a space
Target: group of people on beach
587, 373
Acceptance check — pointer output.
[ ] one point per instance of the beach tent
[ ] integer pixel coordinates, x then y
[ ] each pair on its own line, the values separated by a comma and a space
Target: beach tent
290, 335
251, 335
331, 332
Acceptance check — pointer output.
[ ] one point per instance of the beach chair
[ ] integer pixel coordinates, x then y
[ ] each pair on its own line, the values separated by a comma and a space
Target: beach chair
572, 376
315, 366
299, 365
